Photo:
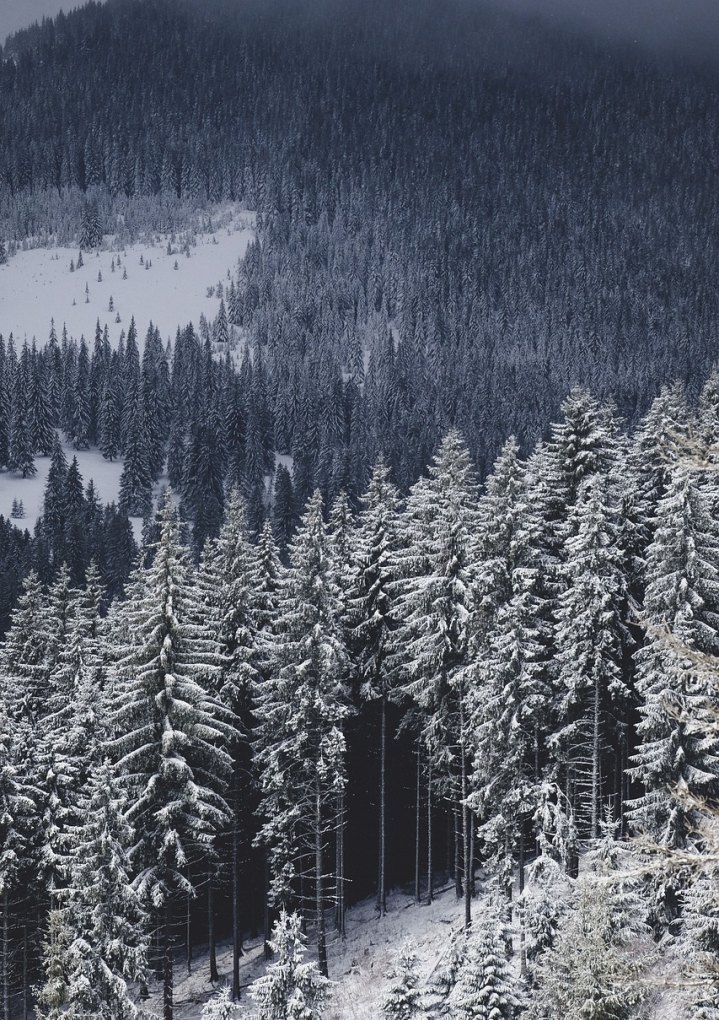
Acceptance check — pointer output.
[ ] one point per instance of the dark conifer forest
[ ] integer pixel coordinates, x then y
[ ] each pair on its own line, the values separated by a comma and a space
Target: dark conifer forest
424, 600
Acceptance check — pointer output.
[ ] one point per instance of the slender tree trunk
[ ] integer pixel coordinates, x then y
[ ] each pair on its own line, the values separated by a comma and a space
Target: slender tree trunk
188, 940
381, 891
472, 851
417, 833
25, 989
340, 865
236, 935
623, 791
212, 947
266, 923
457, 852
430, 882
596, 765
319, 891
5, 955
522, 933
167, 976
465, 827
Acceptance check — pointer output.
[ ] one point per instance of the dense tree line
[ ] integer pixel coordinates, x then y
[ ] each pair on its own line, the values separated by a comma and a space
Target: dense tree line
526, 653
452, 228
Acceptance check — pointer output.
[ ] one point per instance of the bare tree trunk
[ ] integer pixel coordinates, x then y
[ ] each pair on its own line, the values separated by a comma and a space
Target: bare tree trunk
340, 865
5, 956
212, 947
457, 841
267, 947
472, 851
430, 882
236, 935
381, 891
167, 964
522, 933
25, 989
319, 891
417, 833
465, 827
596, 764
188, 943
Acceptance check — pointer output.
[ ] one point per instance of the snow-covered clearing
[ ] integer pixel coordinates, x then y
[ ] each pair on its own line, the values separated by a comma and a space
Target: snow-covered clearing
37, 285
358, 966
105, 475
361, 966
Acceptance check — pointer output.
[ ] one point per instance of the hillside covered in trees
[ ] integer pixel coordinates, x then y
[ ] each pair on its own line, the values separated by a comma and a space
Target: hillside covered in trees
423, 584
461, 216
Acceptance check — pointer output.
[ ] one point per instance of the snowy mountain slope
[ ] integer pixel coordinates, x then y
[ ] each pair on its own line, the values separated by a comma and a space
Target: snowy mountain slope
37, 285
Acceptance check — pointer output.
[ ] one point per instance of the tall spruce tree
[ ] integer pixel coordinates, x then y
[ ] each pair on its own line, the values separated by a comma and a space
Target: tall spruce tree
681, 612
371, 621
435, 608
300, 709
173, 734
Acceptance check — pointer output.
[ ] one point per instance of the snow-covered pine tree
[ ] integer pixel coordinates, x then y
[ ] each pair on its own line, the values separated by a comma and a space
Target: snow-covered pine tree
435, 606
486, 988
174, 733
75, 721
220, 1006
110, 419
52, 995
594, 967
54, 515
290, 989
18, 809
220, 328
284, 512
79, 424
300, 708
228, 581
653, 450
20, 456
107, 946
681, 611
371, 621
341, 544
583, 444
24, 654
512, 689
135, 497
42, 424
446, 975
590, 637
91, 228
404, 999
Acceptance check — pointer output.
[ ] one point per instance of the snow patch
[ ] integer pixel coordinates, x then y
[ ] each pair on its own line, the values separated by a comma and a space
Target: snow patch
104, 473
37, 285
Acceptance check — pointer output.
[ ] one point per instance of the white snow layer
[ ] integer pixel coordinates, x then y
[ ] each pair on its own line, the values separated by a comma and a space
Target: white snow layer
37, 285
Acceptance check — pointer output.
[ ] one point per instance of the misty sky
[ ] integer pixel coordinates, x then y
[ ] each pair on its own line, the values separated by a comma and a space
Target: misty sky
15, 14
687, 25
691, 25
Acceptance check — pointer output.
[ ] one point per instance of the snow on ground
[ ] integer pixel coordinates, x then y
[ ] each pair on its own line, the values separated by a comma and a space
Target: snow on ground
358, 966
37, 285
361, 966
105, 474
